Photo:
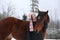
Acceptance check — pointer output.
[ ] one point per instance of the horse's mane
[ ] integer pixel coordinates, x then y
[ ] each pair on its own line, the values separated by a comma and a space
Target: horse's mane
48, 18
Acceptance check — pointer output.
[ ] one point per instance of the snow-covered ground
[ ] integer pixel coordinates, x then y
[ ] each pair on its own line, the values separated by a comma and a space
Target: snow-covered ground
44, 39
53, 33
52, 39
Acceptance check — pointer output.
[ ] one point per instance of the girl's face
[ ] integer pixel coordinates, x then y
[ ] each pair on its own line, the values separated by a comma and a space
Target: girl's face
34, 17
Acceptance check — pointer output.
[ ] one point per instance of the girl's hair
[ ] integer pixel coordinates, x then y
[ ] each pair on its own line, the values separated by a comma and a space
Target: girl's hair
32, 17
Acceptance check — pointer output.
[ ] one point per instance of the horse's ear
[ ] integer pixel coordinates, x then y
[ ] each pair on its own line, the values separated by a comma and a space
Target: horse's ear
47, 11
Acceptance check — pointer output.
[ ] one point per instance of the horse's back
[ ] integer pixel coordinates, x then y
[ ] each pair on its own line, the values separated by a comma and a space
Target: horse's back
19, 30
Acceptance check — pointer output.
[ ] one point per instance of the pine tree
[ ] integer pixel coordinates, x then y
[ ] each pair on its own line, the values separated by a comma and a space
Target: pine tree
34, 6
24, 17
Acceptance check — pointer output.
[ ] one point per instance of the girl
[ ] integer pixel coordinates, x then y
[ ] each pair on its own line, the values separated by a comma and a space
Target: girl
32, 21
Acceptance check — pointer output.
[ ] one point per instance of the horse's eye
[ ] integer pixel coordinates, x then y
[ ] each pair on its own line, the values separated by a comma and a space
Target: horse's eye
39, 17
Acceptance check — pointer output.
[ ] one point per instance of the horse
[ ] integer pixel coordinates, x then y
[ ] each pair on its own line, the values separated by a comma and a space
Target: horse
18, 28
41, 25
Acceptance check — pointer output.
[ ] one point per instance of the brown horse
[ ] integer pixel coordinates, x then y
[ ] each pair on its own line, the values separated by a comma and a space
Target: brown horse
42, 23
18, 28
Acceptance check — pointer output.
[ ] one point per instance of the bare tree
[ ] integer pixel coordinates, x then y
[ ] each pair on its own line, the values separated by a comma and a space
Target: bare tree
8, 13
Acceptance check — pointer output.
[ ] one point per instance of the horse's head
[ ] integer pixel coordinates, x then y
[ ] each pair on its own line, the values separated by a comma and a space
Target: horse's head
42, 16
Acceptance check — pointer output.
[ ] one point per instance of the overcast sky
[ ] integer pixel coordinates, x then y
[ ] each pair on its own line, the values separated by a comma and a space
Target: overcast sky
23, 6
